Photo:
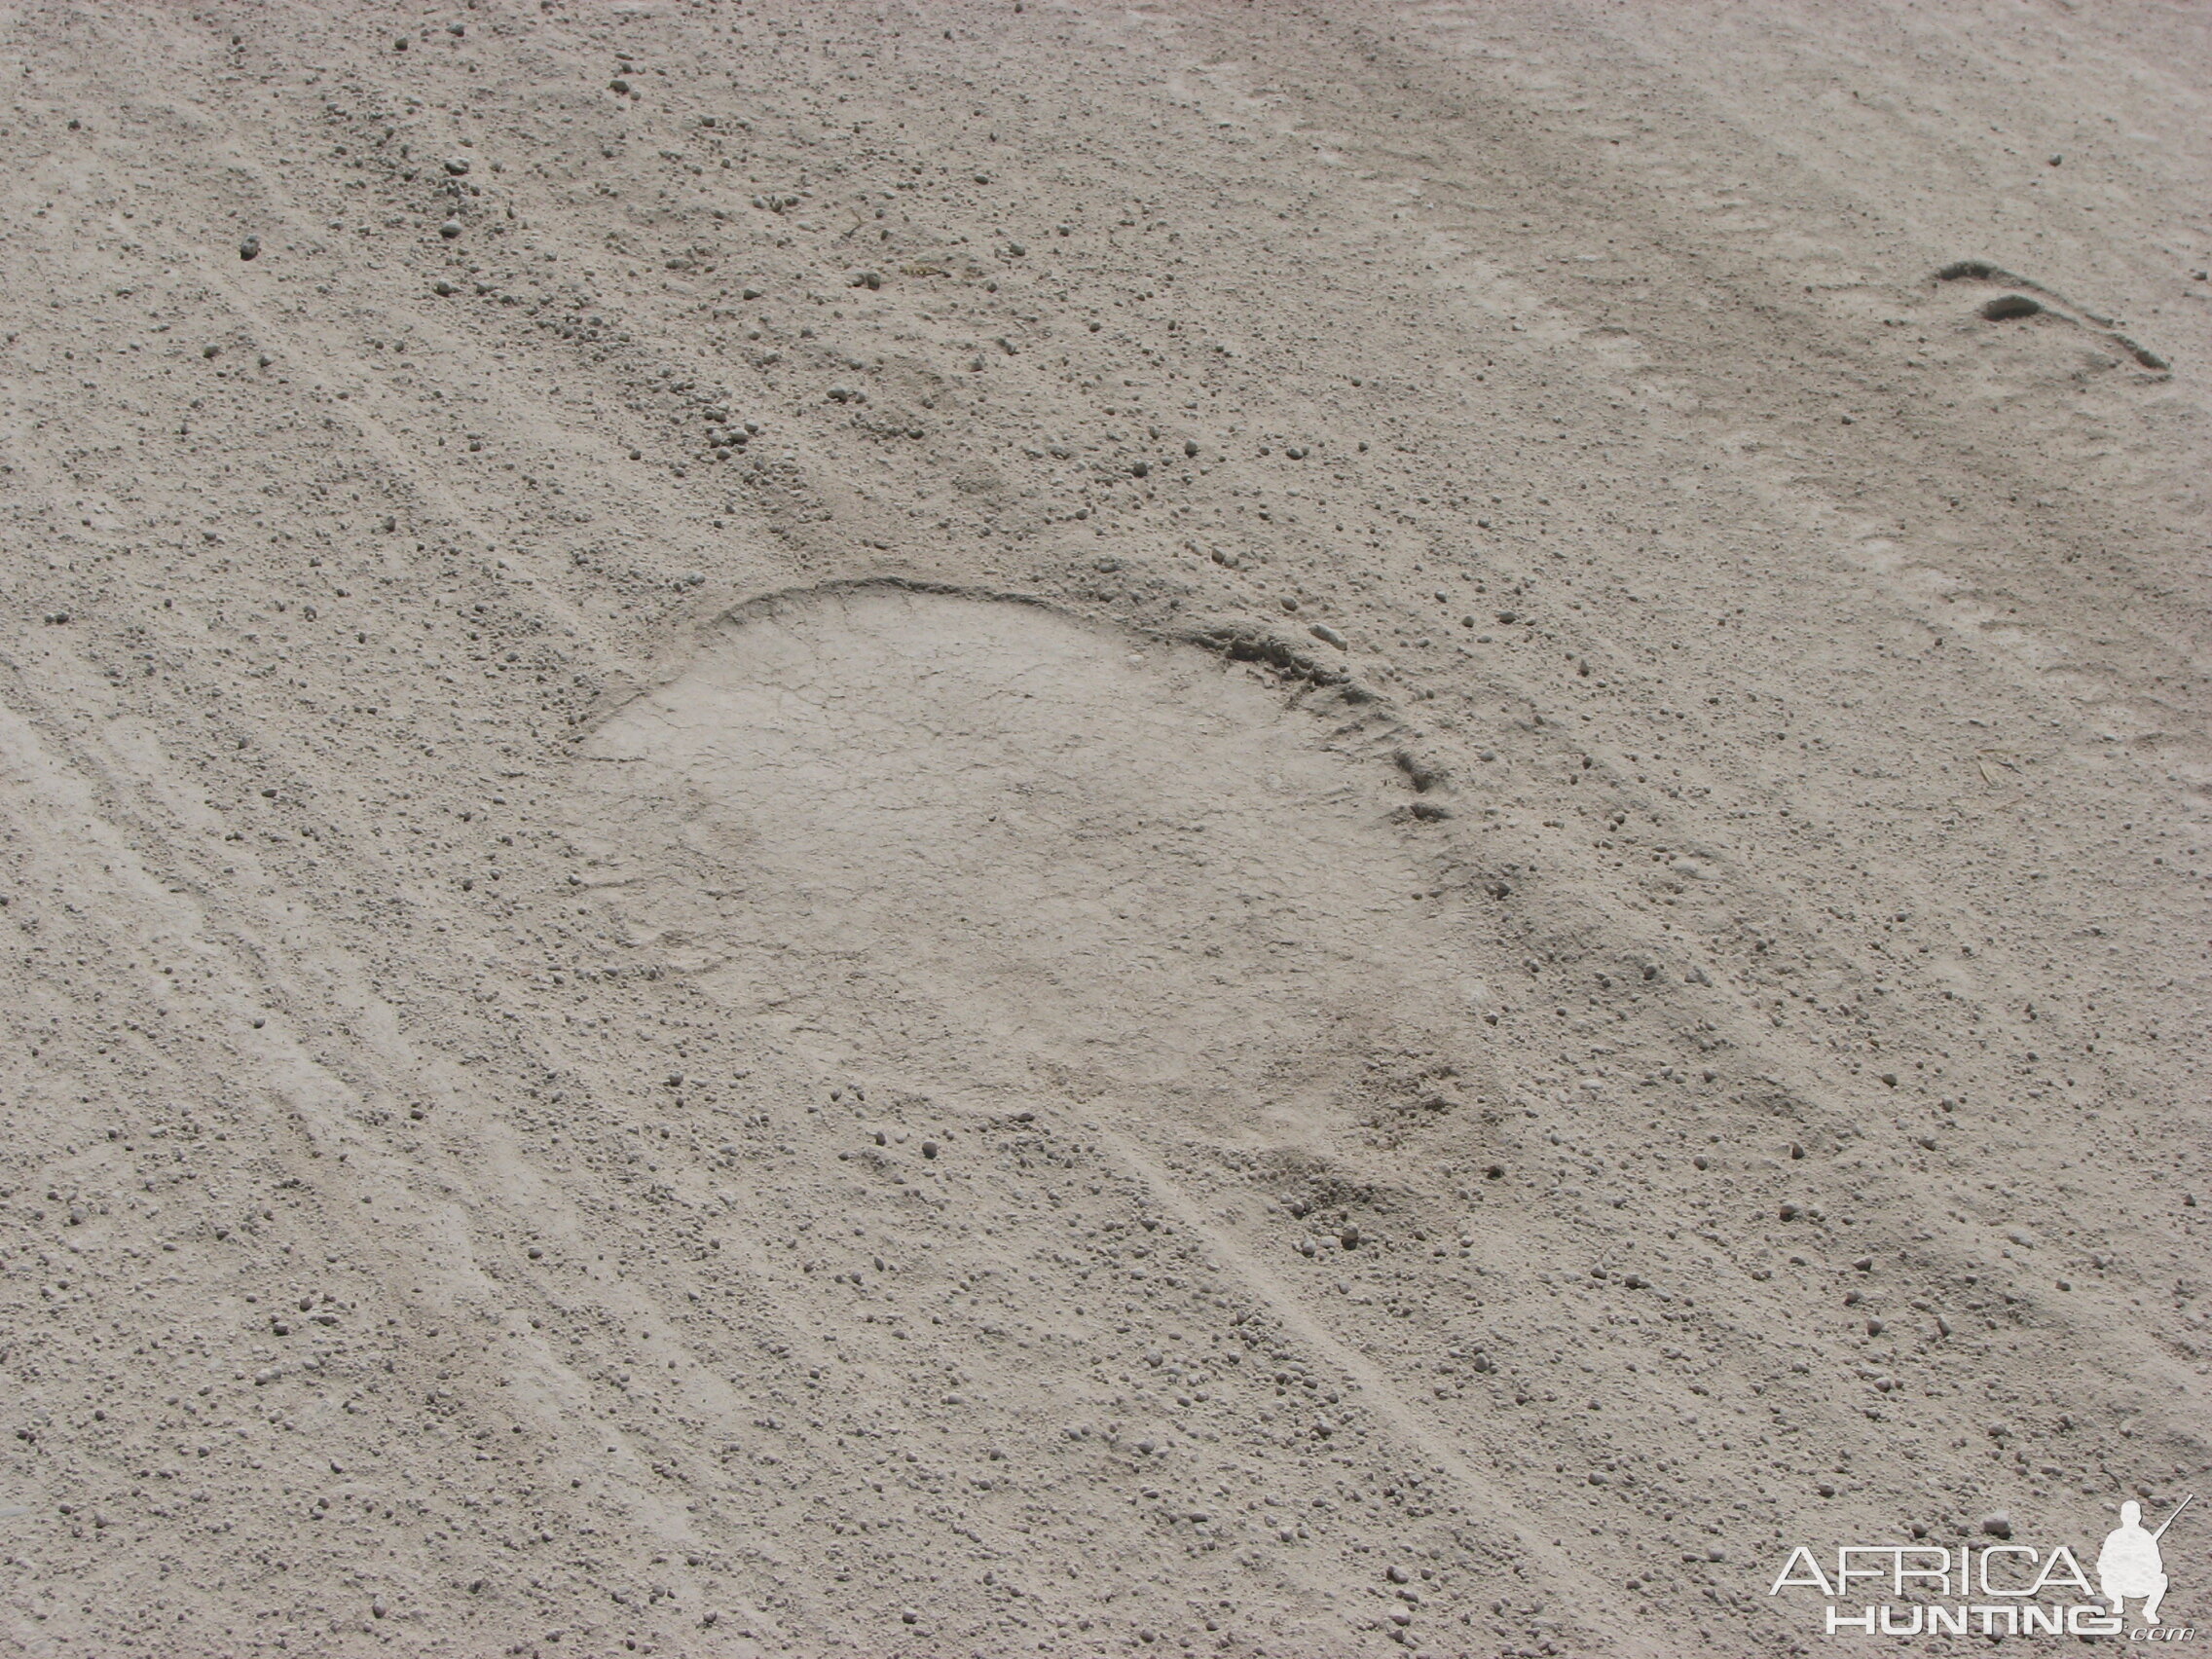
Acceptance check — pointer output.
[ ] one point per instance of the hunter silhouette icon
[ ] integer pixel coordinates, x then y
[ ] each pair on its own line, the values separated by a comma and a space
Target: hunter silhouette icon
2130, 1563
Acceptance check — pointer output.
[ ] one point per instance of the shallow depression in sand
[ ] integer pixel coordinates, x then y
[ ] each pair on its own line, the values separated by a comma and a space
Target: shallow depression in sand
963, 840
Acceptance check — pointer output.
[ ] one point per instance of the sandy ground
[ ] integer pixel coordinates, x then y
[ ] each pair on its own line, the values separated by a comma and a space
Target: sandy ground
1070, 829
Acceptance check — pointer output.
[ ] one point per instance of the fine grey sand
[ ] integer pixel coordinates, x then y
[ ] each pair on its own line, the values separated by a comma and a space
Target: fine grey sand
1287, 828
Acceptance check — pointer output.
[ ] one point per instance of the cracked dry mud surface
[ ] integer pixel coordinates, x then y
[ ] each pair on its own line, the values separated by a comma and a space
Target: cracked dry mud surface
1289, 829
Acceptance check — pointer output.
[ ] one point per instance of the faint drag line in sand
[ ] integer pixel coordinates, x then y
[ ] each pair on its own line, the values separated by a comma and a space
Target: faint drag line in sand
522, 406
224, 157
378, 440
1380, 1396
429, 1209
1896, 564
534, 567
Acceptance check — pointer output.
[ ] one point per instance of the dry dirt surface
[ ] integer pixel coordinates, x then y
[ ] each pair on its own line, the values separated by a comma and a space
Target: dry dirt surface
1288, 829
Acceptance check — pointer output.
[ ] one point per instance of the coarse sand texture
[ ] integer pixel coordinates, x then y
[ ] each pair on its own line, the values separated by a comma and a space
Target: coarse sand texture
952, 829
